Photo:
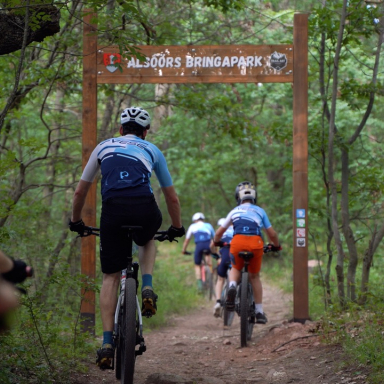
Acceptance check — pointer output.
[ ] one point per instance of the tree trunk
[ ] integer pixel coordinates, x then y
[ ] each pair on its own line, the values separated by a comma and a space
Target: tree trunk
51, 170
346, 227
12, 27
331, 157
161, 112
377, 237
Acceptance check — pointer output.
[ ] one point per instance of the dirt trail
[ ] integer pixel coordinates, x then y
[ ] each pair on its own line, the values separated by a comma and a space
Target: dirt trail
196, 349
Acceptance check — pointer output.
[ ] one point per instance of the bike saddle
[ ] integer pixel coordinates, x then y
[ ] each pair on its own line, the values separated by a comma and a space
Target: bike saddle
246, 255
131, 228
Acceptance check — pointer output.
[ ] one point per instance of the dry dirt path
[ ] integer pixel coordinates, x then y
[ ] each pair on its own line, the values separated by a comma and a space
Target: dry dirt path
195, 349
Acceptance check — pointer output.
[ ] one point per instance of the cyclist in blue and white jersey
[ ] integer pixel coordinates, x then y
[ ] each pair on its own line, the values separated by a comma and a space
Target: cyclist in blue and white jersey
126, 165
203, 234
223, 265
248, 220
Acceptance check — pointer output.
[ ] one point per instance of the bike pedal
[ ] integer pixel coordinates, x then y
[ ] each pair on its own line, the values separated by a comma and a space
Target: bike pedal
141, 349
105, 363
147, 313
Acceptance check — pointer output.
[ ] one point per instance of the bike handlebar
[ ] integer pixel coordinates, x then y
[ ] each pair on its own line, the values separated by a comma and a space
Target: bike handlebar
88, 231
29, 270
267, 248
162, 236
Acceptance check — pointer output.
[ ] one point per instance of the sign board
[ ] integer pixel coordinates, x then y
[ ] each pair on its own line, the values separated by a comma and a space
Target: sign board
197, 64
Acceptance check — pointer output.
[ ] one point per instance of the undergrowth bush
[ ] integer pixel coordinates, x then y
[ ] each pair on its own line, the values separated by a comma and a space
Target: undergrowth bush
46, 343
174, 283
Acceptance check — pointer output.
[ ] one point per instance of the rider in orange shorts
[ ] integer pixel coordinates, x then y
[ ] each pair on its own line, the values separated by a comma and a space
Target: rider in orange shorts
248, 219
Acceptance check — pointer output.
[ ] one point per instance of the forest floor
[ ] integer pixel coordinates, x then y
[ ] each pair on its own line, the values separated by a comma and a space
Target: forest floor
196, 349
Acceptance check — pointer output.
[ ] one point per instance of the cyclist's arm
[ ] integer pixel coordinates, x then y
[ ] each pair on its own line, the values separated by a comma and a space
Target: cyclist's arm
185, 245
79, 199
272, 236
212, 247
173, 205
219, 234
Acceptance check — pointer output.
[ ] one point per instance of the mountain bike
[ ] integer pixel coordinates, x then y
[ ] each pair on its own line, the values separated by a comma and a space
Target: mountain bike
244, 306
128, 322
206, 275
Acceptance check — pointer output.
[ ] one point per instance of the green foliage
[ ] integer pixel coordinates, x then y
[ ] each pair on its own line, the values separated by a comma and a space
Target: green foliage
277, 270
46, 343
174, 283
225, 5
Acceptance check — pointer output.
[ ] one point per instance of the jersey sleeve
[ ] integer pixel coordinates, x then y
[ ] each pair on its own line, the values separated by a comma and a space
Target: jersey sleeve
189, 232
212, 231
92, 167
266, 222
228, 221
161, 170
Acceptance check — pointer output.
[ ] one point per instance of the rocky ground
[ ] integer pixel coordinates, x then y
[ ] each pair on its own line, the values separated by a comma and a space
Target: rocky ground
197, 349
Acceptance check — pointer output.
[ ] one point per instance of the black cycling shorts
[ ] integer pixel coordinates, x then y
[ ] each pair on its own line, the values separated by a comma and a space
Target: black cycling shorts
139, 211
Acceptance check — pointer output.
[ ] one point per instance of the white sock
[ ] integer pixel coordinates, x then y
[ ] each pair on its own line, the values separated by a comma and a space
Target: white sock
259, 308
232, 284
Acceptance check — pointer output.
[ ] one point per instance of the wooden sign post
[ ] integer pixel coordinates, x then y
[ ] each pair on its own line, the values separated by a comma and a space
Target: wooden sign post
210, 64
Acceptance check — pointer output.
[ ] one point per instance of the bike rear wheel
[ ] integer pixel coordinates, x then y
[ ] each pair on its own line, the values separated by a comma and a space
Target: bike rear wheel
210, 284
250, 322
207, 282
129, 332
244, 309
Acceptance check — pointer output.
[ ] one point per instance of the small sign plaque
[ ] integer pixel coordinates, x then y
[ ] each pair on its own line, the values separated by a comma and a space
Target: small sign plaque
300, 242
300, 223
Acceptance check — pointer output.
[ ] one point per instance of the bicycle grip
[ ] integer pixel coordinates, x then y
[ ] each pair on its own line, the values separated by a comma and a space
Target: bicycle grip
29, 271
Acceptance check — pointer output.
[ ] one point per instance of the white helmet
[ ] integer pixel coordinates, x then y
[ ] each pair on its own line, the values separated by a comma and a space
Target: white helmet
221, 222
198, 216
137, 115
245, 191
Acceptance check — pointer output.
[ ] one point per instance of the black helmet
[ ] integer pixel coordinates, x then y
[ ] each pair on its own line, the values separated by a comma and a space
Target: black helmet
245, 191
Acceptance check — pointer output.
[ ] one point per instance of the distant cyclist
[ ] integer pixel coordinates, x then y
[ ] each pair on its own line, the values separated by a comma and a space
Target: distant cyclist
203, 234
248, 220
224, 263
126, 164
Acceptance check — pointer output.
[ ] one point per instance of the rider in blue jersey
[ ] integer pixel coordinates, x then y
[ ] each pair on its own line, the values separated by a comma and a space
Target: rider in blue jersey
203, 234
223, 266
248, 220
126, 165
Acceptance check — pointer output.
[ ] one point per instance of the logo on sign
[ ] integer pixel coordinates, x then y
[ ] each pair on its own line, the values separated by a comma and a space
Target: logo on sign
110, 61
300, 232
278, 61
300, 242
300, 223
300, 213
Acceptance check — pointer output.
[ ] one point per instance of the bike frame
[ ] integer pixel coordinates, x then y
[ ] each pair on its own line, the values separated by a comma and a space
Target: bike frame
130, 272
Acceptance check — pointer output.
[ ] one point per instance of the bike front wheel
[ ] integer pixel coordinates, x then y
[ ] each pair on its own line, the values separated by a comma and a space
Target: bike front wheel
129, 333
227, 315
118, 359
